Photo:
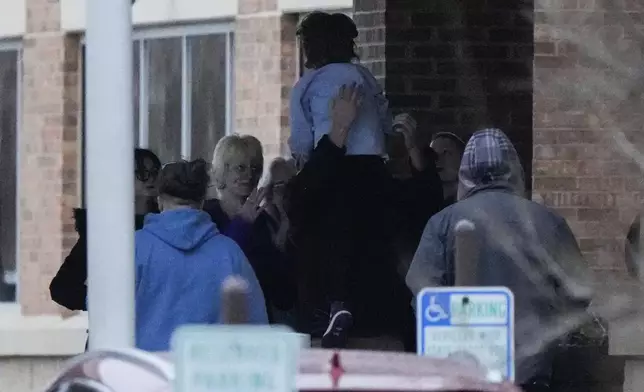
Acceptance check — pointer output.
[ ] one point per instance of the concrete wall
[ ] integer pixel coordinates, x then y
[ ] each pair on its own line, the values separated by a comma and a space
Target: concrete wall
28, 374
12, 18
151, 12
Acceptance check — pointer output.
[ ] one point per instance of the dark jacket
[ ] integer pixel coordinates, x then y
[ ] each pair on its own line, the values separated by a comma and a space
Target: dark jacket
381, 209
69, 288
273, 268
524, 246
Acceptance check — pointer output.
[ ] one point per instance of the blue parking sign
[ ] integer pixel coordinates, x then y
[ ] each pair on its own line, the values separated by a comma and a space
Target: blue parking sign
475, 322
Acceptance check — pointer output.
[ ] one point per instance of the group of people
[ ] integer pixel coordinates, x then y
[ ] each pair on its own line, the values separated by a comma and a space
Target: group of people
333, 243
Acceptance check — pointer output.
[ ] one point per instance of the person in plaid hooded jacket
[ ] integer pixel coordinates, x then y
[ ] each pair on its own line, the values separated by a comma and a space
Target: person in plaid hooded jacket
524, 246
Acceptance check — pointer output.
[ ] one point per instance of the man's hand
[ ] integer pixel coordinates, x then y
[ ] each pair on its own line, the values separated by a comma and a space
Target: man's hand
406, 125
344, 110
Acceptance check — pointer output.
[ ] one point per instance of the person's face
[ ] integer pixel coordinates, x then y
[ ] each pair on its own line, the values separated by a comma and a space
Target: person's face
241, 176
145, 179
280, 179
449, 159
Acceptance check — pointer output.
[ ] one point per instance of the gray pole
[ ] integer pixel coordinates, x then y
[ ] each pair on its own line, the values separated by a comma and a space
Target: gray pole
110, 174
234, 301
467, 253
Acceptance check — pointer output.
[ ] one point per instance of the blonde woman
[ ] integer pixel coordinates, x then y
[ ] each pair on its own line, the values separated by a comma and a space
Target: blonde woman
238, 212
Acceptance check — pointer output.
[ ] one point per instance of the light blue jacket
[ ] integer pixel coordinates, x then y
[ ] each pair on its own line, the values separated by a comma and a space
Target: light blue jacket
311, 110
181, 262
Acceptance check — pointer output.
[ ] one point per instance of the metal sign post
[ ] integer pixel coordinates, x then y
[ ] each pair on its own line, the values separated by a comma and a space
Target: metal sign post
110, 174
467, 253
234, 301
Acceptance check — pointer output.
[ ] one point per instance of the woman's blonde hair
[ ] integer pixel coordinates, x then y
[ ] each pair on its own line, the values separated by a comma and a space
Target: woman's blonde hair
233, 146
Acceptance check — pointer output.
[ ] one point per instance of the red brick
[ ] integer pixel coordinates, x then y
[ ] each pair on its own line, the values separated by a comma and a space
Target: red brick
597, 214
49, 144
265, 71
555, 183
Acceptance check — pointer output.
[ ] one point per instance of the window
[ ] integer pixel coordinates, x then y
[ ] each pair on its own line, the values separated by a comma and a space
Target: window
182, 90
9, 117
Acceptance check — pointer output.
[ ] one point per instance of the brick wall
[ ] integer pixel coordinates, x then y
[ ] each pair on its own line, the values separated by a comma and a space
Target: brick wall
587, 117
457, 65
265, 70
48, 178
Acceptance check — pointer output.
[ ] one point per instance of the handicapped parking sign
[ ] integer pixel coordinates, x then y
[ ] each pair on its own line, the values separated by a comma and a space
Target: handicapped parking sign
475, 323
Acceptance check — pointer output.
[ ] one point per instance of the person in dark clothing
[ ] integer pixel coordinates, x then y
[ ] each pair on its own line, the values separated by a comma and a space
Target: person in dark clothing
524, 246
238, 213
279, 174
449, 149
357, 202
352, 212
69, 288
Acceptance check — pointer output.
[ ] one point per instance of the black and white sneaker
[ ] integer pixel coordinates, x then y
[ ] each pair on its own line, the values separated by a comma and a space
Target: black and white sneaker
337, 333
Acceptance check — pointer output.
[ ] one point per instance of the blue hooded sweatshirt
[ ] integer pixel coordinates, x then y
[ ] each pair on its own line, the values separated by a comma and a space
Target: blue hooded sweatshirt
181, 262
311, 110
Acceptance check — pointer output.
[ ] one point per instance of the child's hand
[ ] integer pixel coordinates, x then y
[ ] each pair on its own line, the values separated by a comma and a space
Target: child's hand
344, 110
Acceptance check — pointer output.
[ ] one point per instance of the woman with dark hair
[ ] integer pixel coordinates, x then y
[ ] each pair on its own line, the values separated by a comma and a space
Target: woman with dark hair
182, 261
69, 288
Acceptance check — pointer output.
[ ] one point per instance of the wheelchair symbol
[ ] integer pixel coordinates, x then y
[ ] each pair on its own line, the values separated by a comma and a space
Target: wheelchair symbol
434, 311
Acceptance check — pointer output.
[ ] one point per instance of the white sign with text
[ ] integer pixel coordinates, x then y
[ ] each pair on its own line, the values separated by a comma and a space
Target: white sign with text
476, 323
236, 359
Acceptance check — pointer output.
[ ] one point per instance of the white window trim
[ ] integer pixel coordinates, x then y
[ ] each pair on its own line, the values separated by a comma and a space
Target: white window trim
230, 83
5, 46
186, 98
183, 30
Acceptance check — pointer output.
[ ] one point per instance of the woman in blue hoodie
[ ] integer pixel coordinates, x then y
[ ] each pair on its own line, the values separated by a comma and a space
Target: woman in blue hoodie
182, 261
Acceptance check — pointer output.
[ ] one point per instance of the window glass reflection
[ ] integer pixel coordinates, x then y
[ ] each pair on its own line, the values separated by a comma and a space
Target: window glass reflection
8, 124
164, 97
208, 89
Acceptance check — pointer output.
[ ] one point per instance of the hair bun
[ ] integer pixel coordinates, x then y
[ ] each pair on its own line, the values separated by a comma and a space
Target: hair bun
185, 180
345, 25
198, 167
197, 172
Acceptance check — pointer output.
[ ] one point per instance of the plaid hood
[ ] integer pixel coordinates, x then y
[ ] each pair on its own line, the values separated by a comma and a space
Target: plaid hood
490, 162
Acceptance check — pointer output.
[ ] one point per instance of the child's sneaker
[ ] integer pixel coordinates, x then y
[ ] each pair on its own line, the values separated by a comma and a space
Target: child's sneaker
337, 333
